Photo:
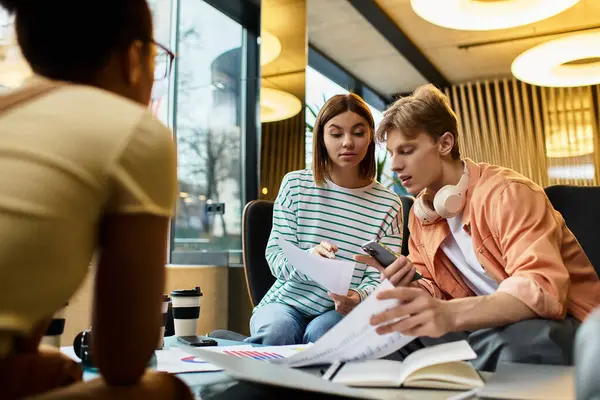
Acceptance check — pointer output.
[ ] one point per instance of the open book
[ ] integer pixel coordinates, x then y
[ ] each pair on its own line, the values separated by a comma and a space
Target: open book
437, 367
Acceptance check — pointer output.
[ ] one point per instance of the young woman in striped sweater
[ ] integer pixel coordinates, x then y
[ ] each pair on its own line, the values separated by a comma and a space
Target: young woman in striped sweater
329, 211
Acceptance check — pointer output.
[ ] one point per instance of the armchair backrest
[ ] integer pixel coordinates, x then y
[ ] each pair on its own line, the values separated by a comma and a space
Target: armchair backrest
257, 221
579, 206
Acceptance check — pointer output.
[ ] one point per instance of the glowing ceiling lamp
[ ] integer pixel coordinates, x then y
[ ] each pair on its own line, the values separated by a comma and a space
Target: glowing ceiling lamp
276, 105
566, 62
485, 15
270, 47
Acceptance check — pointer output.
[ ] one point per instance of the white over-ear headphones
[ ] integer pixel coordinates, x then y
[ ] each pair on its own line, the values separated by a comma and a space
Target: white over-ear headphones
448, 202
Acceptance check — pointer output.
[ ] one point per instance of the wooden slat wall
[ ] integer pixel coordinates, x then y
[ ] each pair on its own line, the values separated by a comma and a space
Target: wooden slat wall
282, 151
507, 122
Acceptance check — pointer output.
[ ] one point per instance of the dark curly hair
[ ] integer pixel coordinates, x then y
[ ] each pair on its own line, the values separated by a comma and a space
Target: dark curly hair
73, 40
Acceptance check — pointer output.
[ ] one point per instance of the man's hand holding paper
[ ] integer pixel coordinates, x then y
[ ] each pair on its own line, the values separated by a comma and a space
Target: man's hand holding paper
417, 314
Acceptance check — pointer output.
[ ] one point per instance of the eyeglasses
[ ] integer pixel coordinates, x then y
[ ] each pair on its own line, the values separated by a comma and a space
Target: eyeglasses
163, 62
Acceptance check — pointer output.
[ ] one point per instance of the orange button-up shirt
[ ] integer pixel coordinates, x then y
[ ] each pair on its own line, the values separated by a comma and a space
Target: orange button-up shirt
520, 240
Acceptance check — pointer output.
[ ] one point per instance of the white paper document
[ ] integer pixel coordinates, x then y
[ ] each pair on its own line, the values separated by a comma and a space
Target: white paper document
353, 338
245, 369
176, 360
333, 275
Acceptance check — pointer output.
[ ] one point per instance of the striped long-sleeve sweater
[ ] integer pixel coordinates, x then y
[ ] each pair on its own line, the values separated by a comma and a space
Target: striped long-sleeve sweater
306, 214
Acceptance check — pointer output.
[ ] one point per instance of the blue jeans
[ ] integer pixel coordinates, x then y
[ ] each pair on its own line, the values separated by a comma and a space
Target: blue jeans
277, 324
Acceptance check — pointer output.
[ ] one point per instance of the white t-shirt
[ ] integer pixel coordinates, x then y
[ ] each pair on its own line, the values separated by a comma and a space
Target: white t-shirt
66, 159
458, 247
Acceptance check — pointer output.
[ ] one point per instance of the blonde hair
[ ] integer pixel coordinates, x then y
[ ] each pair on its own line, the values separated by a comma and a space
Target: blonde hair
426, 110
335, 106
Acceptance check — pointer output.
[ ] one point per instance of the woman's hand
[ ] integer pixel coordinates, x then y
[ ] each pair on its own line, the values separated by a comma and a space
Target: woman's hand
325, 249
345, 304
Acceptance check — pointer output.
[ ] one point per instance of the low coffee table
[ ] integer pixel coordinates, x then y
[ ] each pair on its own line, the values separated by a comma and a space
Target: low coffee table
218, 385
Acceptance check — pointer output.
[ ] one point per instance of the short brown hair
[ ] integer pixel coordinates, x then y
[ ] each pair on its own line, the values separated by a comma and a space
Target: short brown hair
426, 110
335, 106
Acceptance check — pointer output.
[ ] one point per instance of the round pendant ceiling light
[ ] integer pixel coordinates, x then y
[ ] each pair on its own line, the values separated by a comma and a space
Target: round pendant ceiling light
270, 47
276, 105
566, 62
485, 15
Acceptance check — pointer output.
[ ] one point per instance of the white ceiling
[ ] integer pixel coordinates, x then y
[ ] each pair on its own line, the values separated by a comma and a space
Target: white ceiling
339, 31
343, 34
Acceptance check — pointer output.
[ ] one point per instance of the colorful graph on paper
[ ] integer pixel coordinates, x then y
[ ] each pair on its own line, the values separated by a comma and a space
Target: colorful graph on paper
255, 354
194, 360
266, 353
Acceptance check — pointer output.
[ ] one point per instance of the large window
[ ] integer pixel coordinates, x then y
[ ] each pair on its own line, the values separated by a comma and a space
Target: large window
209, 137
204, 102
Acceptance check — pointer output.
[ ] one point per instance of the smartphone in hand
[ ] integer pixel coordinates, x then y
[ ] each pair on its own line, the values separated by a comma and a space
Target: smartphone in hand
384, 256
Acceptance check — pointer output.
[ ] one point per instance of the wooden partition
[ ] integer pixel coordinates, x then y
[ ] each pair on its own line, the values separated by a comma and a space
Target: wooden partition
550, 135
215, 288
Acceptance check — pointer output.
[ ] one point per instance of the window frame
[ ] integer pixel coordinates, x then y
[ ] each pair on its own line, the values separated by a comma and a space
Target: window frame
247, 14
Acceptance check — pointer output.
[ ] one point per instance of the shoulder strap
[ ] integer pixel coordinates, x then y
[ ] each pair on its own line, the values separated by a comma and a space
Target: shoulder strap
27, 93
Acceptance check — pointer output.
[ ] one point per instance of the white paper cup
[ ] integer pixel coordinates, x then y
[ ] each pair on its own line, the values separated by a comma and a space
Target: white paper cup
186, 310
56, 328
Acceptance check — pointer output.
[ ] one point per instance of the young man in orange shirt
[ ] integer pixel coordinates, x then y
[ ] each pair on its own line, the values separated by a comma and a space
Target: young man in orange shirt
500, 267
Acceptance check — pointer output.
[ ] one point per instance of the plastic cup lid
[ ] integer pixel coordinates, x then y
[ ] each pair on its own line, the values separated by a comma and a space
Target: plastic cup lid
187, 292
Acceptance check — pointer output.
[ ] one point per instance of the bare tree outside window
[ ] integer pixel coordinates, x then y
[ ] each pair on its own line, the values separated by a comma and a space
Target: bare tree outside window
209, 136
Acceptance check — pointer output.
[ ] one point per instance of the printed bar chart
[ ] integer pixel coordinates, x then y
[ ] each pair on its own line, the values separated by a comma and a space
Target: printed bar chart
253, 354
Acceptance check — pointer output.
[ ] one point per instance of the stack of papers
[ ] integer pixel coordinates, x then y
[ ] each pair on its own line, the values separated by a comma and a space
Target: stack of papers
353, 338
265, 373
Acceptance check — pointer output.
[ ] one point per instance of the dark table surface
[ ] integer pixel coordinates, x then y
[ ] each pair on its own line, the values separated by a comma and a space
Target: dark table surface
218, 385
